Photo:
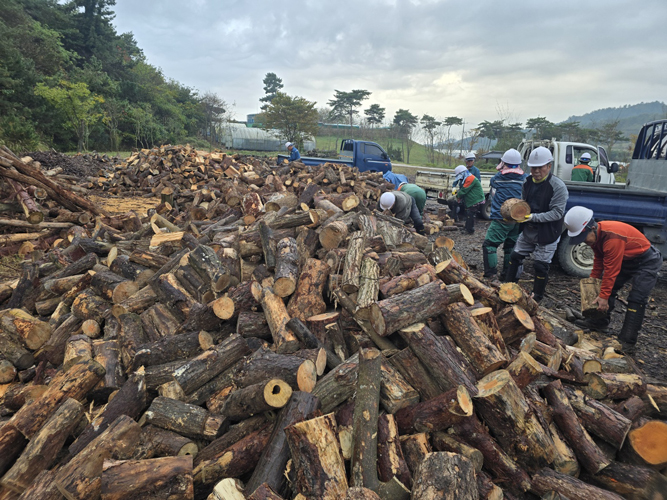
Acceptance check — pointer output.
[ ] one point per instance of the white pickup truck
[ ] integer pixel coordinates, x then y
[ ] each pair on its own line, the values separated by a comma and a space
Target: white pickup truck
566, 155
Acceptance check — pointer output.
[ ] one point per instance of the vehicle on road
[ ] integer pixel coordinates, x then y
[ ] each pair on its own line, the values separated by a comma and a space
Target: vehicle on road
641, 201
365, 155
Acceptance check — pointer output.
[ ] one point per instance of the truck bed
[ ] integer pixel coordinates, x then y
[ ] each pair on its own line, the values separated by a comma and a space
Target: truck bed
312, 160
617, 202
433, 182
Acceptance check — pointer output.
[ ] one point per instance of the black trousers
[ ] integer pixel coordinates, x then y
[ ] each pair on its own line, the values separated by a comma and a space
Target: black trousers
471, 215
642, 271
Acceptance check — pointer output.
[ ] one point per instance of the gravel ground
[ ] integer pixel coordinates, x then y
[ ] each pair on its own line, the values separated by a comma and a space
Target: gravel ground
563, 291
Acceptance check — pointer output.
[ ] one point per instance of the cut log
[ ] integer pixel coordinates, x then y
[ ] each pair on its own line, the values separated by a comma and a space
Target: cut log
588, 453
451, 272
590, 290
414, 372
333, 234
270, 470
405, 309
353, 258
236, 433
228, 489
436, 414
107, 354
547, 480
80, 478
444, 475
395, 392
308, 301
320, 470
630, 481
78, 348
447, 442
486, 321
369, 287
446, 366
20, 325
277, 317
390, 455
417, 277
524, 369
256, 398
614, 385
153, 479
514, 323
166, 349
415, 448
7, 372
483, 353
512, 421
53, 349
156, 442
311, 342
268, 245
12, 350
515, 209
206, 263
183, 418
647, 444
338, 385
287, 269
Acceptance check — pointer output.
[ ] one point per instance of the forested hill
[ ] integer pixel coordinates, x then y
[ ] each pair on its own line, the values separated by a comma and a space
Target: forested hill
630, 117
68, 80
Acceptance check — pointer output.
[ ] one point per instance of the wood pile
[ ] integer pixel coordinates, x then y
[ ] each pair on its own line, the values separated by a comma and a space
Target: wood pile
316, 349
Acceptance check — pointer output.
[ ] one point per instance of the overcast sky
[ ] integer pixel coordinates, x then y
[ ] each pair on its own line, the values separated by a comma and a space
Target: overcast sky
473, 59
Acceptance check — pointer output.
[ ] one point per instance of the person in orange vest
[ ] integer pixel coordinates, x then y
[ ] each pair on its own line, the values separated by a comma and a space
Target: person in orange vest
621, 254
582, 172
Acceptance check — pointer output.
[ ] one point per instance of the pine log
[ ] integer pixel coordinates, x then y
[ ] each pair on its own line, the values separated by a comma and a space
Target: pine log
436, 414
514, 323
166, 349
590, 290
107, 354
19, 324
419, 276
445, 475
632, 408
446, 366
512, 293
287, 270
448, 442
462, 327
615, 385
309, 341
547, 480
395, 392
397, 312
368, 287
157, 442
647, 444
12, 350
277, 317
42, 488
629, 481
451, 272
53, 349
271, 466
268, 245
256, 398
524, 369
320, 470
183, 418
338, 385
414, 372
87, 305
353, 258
41, 452
415, 448
80, 478
390, 455
307, 301
588, 453
333, 234
514, 209
78, 348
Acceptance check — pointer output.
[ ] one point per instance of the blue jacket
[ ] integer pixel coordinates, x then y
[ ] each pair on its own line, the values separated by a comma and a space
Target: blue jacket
395, 179
294, 154
507, 186
474, 171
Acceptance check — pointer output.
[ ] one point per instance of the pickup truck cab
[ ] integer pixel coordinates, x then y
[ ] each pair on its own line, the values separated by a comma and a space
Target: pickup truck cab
365, 155
641, 201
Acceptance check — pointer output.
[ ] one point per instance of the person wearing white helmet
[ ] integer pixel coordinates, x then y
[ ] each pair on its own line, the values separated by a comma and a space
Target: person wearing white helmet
294, 154
582, 172
547, 196
470, 165
402, 206
507, 184
471, 194
621, 254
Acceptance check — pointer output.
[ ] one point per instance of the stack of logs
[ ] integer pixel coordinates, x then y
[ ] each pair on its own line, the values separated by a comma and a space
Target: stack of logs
316, 350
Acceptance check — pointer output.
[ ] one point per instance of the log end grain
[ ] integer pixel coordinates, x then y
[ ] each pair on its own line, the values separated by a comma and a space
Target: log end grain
650, 442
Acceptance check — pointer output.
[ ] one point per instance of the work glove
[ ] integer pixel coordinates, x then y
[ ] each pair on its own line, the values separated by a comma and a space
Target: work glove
454, 191
527, 218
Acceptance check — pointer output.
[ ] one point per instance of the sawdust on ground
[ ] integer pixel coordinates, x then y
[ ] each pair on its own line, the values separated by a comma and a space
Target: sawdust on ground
117, 205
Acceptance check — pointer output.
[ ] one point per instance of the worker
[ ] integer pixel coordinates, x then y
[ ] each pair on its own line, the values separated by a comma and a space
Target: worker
507, 184
582, 172
294, 154
402, 206
417, 193
472, 195
621, 254
547, 196
470, 165
395, 179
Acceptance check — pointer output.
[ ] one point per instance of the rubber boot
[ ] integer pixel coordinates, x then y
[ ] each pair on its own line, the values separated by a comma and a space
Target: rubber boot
597, 324
516, 260
634, 317
541, 280
489, 272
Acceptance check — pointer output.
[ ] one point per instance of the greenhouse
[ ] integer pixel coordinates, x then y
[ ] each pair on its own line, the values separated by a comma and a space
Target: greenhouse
238, 136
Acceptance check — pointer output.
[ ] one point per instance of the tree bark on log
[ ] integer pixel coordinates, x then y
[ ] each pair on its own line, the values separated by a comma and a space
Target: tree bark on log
256, 398
447, 442
390, 455
436, 414
548, 480
157, 442
268, 245
415, 448
320, 470
107, 354
445, 476
236, 433
333, 234
647, 444
183, 346
153, 479
353, 258
417, 277
183, 418
310, 341
271, 466
18, 324
397, 312
451, 272
363, 466
588, 453
514, 323
524, 369
287, 268
483, 353
630, 481
395, 392
369, 286
414, 372
277, 317
308, 301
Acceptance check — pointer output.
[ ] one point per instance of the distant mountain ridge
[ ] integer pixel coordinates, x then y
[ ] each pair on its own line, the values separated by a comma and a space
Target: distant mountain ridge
631, 116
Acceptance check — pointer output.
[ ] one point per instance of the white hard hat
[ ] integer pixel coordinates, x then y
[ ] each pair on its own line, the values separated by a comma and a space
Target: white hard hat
576, 220
540, 157
387, 200
471, 156
288, 144
460, 169
511, 157
585, 157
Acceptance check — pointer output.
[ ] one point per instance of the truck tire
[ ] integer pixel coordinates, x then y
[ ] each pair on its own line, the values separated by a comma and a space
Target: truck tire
485, 212
575, 260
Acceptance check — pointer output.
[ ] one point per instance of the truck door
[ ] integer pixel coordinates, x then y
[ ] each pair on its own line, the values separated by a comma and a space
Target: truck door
373, 157
602, 175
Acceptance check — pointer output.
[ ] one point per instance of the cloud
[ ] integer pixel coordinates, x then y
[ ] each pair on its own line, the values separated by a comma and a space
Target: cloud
438, 57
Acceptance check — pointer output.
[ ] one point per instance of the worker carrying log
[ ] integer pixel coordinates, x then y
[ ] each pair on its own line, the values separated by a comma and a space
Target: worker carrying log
417, 193
622, 254
470, 193
547, 196
507, 183
402, 206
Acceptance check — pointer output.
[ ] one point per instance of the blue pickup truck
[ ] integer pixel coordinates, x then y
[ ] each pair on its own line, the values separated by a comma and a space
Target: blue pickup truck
365, 155
641, 201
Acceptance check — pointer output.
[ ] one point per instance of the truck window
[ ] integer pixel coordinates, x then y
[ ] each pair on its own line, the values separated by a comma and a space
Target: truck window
372, 149
347, 146
652, 142
568, 155
595, 161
